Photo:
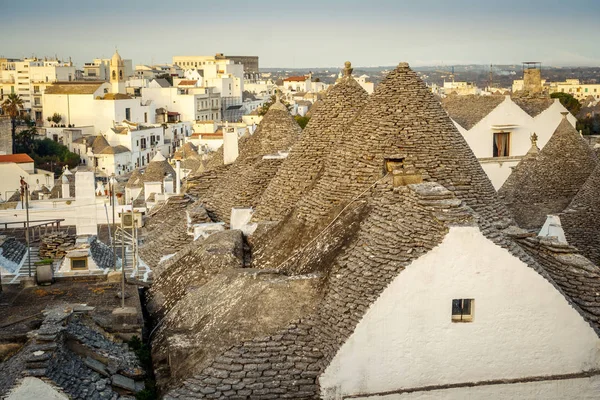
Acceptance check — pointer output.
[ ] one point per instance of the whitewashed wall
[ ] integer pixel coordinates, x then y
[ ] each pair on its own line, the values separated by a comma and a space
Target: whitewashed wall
522, 325
480, 137
580, 389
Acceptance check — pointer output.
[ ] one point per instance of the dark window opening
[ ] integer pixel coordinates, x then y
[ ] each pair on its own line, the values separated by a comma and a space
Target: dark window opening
501, 144
78, 263
392, 163
462, 310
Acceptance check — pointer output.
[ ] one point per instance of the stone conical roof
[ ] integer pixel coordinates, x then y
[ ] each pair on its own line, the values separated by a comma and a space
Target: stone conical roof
157, 169
242, 183
276, 132
305, 162
521, 169
548, 184
401, 121
581, 220
99, 144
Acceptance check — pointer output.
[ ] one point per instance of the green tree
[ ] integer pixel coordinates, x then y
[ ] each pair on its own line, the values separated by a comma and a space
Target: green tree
12, 106
56, 118
567, 100
46, 153
302, 121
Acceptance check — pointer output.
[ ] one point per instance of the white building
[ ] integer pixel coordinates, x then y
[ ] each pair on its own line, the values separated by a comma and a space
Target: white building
498, 128
15, 166
368, 86
93, 104
100, 69
224, 75
574, 87
29, 78
300, 83
191, 102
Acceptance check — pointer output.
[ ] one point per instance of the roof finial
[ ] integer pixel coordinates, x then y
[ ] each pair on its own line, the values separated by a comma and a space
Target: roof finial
533, 137
348, 68
564, 114
277, 100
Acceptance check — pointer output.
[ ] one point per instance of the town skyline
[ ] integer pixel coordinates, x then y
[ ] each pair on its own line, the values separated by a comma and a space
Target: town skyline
317, 34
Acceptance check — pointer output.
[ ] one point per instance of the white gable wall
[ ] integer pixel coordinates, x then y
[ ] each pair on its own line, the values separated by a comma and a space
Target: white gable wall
480, 137
523, 327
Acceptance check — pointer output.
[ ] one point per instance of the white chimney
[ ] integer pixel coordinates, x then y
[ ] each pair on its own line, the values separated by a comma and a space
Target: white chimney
230, 145
178, 177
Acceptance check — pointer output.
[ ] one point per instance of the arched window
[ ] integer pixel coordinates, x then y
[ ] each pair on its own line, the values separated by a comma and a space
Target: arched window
114, 75
120, 74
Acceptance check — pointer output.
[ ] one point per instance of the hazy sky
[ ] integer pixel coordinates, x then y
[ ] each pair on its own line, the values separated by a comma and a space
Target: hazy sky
308, 33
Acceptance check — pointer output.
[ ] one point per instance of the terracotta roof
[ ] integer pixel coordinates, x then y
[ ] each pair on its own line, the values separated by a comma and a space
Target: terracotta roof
15, 158
550, 182
468, 110
78, 87
187, 82
296, 79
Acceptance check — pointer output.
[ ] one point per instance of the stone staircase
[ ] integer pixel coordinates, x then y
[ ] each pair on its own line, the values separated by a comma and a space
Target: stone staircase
24, 270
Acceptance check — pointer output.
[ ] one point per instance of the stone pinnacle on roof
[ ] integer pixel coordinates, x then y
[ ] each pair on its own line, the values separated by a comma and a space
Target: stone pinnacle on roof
348, 68
547, 183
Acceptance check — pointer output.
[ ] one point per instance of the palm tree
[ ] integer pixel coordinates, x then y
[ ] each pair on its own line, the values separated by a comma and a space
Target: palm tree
12, 106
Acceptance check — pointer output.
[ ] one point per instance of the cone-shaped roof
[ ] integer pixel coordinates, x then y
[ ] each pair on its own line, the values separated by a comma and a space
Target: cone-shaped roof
521, 169
581, 220
242, 183
277, 131
99, 144
548, 184
402, 121
305, 162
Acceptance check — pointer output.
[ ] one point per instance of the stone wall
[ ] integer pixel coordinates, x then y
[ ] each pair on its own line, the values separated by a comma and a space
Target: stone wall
5, 135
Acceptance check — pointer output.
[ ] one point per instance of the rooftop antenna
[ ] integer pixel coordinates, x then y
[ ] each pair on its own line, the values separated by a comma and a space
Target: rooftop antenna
491, 76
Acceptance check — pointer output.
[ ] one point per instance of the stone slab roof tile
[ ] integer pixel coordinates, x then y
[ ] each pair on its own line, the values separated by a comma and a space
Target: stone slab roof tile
581, 220
305, 162
549, 183
468, 110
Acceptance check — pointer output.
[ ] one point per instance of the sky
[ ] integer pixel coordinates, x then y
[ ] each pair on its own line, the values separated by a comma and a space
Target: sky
309, 33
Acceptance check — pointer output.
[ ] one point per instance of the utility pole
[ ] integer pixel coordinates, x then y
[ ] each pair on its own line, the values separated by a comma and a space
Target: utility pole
123, 263
112, 182
25, 194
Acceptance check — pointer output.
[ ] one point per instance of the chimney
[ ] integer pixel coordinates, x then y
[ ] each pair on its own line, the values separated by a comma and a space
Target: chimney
230, 145
178, 176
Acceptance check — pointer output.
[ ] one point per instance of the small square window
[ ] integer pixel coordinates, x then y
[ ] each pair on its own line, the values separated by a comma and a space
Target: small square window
463, 310
79, 263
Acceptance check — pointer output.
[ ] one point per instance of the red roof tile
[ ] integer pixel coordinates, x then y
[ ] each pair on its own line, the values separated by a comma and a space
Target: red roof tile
295, 79
16, 158
187, 83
